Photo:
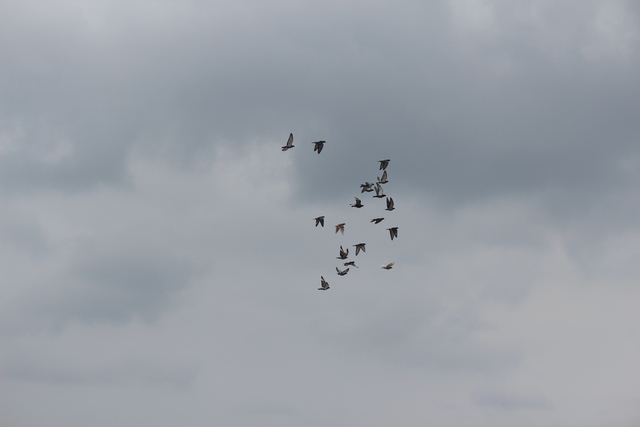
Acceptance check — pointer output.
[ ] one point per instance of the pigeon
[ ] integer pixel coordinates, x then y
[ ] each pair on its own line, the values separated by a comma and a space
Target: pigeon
353, 263
384, 164
343, 272
359, 247
389, 204
367, 186
379, 192
289, 143
343, 254
388, 266
377, 220
324, 284
393, 231
340, 227
319, 146
383, 180
357, 204
319, 220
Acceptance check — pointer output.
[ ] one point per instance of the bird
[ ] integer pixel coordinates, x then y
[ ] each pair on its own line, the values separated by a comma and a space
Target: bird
379, 192
353, 263
357, 204
343, 272
393, 231
343, 254
388, 266
384, 163
377, 220
324, 284
319, 220
289, 143
340, 227
367, 186
319, 146
359, 247
383, 180
390, 204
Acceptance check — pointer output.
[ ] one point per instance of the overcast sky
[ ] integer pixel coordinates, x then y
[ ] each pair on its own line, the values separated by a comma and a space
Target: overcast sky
159, 260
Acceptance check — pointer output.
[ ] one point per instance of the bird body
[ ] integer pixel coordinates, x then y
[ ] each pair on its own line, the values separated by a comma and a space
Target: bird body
353, 263
342, 272
289, 143
367, 186
319, 220
340, 227
379, 192
324, 285
343, 254
390, 205
384, 179
388, 266
393, 231
377, 220
384, 163
360, 247
319, 145
357, 204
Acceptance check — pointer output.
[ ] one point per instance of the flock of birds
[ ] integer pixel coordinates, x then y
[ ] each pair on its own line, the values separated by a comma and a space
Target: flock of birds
367, 187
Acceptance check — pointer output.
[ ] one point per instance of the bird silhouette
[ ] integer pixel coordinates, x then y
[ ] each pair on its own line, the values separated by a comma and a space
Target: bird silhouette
367, 186
379, 192
357, 204
340, 227
377, 220
384, 164
393, 231
319, 220
390, 205
289, 143
360, 247
353, 263
342, 272
383, 180
388, 266
324, 284
343, 254
319, 146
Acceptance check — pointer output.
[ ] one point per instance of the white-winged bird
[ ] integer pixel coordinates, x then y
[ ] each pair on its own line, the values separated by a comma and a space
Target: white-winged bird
289, 143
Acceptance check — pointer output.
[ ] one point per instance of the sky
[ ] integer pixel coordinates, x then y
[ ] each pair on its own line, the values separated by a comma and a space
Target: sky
159, 259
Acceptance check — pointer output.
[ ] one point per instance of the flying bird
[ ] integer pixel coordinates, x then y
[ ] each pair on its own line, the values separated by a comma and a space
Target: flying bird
393, 231
343, 272
340, 227
357, 204
383, 180
390, 206
377, 220
343, 254
319, 220
379, 192
384, 164
388, 266
353, 263
319, 146
360, 247
289, 143
367, 186
324, 284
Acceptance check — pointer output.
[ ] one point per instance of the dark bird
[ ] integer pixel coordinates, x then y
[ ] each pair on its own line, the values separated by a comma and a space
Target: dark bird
359, 247
384, 164
367, 186
383, 180
340, 227
319, 220
353, 263
343, 272
357, 204
393, 231
388, 266
289, 143
324, 284
343, 254
379, 192
390, 206
319, 146
377, 220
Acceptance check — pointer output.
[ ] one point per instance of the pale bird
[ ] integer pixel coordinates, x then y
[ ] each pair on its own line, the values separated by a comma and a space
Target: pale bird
388, 266
289, 143
324, 285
